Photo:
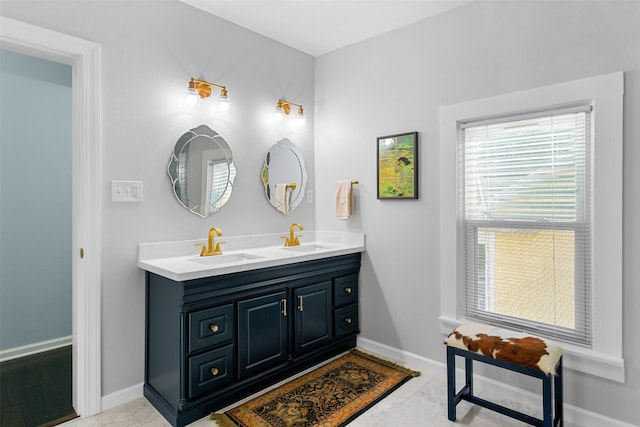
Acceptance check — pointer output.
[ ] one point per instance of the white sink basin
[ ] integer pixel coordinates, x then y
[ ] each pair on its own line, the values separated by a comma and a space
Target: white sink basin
311, 247
225, 258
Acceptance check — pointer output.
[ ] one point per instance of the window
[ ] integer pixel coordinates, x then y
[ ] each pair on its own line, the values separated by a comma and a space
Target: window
524, 208
531, 217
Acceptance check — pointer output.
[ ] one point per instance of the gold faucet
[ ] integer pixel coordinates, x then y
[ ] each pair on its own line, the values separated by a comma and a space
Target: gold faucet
210, 249
293, 240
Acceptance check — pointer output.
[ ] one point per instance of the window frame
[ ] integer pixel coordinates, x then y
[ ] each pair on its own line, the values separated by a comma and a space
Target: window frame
605, 94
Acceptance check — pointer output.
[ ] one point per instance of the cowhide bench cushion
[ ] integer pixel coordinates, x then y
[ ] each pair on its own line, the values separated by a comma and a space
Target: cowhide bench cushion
518, 348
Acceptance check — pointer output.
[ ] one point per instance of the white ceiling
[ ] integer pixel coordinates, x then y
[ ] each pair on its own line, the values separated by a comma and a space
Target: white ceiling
320, 26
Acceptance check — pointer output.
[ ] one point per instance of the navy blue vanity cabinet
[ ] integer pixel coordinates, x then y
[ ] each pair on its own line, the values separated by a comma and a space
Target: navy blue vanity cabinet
213, 341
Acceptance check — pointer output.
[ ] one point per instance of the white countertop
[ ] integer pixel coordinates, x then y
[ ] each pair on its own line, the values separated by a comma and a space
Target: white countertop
180, 260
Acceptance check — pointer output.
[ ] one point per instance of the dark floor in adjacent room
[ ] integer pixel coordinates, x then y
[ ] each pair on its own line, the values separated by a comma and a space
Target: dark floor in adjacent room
36, 390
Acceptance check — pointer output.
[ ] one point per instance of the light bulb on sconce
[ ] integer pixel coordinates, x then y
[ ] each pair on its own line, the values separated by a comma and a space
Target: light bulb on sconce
200, 89
191, 97
283, 108
278, 115
224, 105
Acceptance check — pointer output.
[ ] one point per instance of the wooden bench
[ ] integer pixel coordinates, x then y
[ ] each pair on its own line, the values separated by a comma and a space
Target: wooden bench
526, 354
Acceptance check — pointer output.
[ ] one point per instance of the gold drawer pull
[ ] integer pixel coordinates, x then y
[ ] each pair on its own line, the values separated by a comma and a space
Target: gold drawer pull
348, 320
347, 290
214, 328
215, 371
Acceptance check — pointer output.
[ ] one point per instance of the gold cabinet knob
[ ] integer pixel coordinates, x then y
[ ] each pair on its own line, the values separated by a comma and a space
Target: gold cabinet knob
215, 371
348, 320
214, 328
347, 290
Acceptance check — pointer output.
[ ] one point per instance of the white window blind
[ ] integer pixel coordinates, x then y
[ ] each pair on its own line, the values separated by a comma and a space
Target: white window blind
525, 206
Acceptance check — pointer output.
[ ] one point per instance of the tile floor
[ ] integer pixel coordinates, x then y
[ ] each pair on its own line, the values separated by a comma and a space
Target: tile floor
421, 402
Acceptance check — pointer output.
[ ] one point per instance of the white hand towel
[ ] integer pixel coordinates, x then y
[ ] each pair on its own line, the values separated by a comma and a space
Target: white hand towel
344, 200
282, 198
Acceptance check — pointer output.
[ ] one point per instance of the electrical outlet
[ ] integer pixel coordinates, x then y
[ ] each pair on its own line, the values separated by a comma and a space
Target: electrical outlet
309, 196
126, 191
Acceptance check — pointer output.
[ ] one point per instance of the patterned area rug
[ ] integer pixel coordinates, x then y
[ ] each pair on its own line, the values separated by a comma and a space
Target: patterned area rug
330, 396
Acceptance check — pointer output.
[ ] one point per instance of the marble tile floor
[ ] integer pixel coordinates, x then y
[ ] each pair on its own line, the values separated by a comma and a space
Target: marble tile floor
421, 402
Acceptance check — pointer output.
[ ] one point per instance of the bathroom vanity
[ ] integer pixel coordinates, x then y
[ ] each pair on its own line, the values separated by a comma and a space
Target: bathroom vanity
227, 332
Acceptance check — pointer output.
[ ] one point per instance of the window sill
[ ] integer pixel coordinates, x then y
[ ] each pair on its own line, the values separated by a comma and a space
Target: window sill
576, 358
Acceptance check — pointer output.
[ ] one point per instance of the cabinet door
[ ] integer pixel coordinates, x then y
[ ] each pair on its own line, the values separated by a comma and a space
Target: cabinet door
262, 333
313, 316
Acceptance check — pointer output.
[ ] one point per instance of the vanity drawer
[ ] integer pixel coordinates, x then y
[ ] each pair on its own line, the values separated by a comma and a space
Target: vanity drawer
210, 327
211, 369
345, 320
345, 290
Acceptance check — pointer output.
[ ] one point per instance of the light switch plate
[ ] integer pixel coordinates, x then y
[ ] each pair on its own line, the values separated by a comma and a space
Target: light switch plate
126, 191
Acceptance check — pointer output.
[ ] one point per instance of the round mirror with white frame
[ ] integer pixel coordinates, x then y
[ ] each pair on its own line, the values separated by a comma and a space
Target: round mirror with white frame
201, 170
284, 176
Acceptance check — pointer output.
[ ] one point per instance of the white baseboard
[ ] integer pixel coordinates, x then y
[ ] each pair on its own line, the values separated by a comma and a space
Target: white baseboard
35, 348
120, 397
572, 413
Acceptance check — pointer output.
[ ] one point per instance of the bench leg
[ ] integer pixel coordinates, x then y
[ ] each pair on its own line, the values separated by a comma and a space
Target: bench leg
468, 375
452, 398
451, 384
559, 419
553, 412
547, 408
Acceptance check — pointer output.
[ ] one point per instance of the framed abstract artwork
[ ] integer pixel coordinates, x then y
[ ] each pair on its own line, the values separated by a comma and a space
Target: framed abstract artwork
398, 166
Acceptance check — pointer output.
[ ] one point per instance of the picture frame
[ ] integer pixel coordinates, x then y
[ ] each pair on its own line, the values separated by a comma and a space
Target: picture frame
397, 157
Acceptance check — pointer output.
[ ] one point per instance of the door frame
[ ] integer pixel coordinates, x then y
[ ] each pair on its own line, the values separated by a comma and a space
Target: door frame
85, 59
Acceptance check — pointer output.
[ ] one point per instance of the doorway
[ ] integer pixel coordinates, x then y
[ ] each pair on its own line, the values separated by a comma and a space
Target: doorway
36, 313
84, 58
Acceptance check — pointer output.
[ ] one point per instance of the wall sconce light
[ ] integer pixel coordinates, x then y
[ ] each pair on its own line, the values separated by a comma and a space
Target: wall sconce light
200, 89
284, 108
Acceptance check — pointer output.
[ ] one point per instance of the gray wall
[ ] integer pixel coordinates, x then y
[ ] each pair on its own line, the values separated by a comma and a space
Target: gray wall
397, 82
149, 52
35, 151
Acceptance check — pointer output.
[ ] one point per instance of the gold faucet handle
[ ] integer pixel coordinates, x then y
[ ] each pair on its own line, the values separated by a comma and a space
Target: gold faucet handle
286, 240
203, 252
217, 250
296, 242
